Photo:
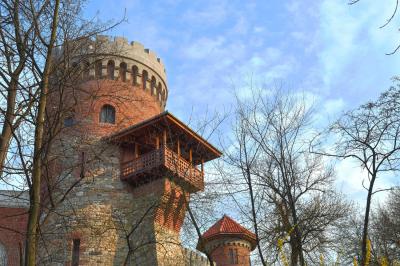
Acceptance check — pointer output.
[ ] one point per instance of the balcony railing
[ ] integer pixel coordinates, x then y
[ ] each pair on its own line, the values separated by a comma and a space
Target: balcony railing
163, 159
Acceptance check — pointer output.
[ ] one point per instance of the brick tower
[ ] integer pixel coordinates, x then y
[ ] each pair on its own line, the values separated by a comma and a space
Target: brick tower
228, 243
121, 169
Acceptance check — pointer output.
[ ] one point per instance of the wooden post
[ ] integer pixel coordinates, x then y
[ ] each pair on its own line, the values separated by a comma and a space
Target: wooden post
136, 150
202, 167
165, 138
157, 142
190, 156
178, 148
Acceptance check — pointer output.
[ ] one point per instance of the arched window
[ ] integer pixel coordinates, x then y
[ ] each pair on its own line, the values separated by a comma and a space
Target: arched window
76, 243
145, 77
122, 71
153, 85
76, 70
3, 255
233, 256
135, 72
164, 95
86, 69
159, 90
97, 70
110, 69
107, 114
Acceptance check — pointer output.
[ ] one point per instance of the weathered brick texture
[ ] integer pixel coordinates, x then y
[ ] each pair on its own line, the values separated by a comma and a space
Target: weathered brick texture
13, 222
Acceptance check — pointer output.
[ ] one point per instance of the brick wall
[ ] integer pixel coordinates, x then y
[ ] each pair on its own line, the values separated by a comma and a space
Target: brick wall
13, 222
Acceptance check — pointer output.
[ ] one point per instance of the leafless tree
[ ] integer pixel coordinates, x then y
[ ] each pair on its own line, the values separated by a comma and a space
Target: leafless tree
31, 32
370, 135
289, 190
388, 21
385, 229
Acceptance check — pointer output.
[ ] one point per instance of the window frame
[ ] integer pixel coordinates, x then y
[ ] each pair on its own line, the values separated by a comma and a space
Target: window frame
76, 246
107, 114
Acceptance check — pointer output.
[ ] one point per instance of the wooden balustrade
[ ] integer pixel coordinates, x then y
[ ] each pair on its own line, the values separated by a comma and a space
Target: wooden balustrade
166, 159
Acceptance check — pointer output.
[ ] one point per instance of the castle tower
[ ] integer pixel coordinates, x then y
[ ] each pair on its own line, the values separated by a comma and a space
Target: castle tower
121, 169
228, 243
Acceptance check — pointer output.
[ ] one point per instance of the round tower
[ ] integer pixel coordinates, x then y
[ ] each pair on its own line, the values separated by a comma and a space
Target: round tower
124, 77
228, 243
120, 169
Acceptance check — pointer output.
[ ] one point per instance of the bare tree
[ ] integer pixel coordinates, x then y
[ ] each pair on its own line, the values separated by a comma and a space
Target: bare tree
385, 230
289, 190
370, 135
31, 33
388, 21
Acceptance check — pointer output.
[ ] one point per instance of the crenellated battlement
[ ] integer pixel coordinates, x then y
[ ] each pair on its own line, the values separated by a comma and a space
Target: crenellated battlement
117, 59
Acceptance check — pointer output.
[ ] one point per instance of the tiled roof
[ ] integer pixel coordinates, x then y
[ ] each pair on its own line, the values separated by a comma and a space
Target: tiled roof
227, 226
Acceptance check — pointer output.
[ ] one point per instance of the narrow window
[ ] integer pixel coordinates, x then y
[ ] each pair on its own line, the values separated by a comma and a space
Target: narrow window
86, 69
107, 114
236, 258
135, 72
122, 71
3, 255
159, 90
110, 69
145, 77
98, 69
153, 85
75, 251
233, 256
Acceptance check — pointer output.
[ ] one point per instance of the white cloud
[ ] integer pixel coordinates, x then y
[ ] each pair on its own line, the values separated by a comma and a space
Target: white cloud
203, 48
208, 13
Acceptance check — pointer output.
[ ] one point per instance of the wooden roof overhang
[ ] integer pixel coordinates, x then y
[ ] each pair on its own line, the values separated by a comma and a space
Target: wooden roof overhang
174, 128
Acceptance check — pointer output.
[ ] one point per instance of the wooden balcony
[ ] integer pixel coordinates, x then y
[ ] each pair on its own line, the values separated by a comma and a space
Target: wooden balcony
162, 162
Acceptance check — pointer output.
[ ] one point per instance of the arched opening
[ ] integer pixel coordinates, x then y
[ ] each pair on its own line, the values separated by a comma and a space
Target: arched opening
3, 255
145, 77
122, 71
153, 85
107, 114
76, 70
97, 70
86, 69
159, 90
110, 69
164, 96
135, 72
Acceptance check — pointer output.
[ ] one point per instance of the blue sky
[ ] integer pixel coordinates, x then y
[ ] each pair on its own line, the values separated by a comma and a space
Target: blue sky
333, 51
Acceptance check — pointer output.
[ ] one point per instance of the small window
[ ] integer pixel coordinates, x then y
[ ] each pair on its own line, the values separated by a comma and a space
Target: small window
86, 70
69, 121
145, 77
159, 90
153, 85
3, 255
76, 243
135, 72
107, 114
110, 69
122, 71
233, 256
98, 69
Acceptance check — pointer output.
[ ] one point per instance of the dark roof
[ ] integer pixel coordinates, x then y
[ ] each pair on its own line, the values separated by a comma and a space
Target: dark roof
166, 120
226, 226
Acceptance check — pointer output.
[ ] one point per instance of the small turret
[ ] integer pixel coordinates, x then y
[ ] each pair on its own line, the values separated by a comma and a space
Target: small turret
228, 243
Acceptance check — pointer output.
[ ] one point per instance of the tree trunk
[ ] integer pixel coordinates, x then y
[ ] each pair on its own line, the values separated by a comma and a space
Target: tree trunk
366, 221
254, 216
9, 117
34, 208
